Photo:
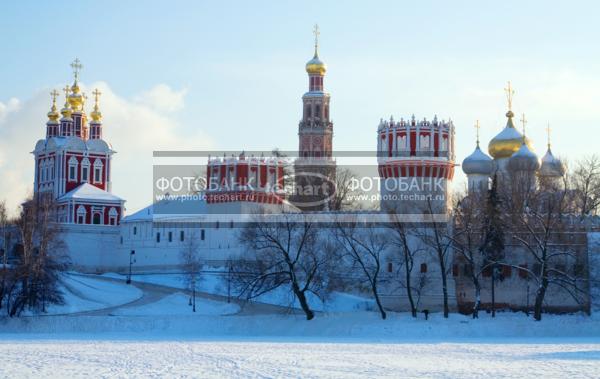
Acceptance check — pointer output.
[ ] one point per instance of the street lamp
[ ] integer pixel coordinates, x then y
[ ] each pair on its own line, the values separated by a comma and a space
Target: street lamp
130, 263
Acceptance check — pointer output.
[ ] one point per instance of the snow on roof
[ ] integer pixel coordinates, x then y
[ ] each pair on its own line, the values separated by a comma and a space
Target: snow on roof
170, 209
89, 192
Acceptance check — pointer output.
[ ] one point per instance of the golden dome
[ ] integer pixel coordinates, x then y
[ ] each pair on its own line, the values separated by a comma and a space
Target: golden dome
67, 110
53, 115
76, 97
508, 141
315, 66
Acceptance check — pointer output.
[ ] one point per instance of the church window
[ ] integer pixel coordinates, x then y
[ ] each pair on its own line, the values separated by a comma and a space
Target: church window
318, 111
390, 267
170, 236
112, 216
307, 111
85, 169
202, 234
134, 230
158, 237
181, 236
73, 169
81, 214
98, 171
231, 224
217, 225
423, 268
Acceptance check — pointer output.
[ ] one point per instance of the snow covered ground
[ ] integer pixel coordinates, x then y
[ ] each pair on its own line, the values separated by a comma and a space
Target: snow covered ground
158, 336
177, 304
83, 293
226, 359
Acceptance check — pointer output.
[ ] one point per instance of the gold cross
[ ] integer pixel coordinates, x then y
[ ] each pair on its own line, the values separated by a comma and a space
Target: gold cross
54, 95
509, 95
316, 33
76, 66
477, 126
548, 130
96, 94
67, 89
524, 122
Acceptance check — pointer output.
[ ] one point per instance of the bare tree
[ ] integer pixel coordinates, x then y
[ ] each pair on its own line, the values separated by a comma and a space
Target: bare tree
437, 236
364, 247
40, 261
287, 253
6, 243
403, 239
586, 185
542, 231
191, 265
344, 192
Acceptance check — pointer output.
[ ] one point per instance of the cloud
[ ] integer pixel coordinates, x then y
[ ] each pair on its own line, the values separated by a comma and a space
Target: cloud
163, 98
134, 128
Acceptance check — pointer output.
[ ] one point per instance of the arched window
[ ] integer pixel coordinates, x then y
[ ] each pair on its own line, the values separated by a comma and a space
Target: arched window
112, 216
73, 163
85, 170
318, 111
308, 111
98, 171
423, 268
81, 212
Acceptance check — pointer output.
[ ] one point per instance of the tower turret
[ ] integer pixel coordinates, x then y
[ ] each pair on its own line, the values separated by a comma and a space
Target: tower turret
315, 167
52, 125
96, 115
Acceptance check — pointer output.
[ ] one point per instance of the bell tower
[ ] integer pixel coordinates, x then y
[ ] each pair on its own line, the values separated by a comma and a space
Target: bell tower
314, 167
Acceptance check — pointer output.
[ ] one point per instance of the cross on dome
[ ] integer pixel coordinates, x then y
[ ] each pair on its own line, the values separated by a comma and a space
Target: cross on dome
477, 126
316, 32
548, 130
76, 66
54, 95
510, 92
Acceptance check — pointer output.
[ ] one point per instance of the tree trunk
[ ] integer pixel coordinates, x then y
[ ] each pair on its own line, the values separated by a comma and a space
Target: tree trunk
477, 297
493, 292
539, 299
303, 302
444, 284
377, 300
413, 308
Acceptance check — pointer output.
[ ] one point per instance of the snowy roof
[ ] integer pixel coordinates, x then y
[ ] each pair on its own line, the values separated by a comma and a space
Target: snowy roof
87, 191
169, 209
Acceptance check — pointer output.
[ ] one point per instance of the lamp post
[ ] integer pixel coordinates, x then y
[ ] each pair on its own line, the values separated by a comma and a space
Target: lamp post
130, 263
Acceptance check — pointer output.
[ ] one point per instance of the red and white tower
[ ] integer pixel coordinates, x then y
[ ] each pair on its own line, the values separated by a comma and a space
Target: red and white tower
74, 167
416, 164
315, 166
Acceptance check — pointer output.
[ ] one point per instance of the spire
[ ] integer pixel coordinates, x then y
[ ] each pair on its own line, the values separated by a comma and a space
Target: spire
316, 33
96, 114
477, 129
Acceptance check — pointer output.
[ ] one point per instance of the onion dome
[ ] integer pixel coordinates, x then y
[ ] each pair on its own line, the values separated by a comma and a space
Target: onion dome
67, 110
508, 141
53, 115
96, 115
76, 98
551, 166
478, 163
315, 66
524, 159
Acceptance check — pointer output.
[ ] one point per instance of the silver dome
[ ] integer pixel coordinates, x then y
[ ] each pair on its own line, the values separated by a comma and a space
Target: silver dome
478, 163
524, 160
551, 166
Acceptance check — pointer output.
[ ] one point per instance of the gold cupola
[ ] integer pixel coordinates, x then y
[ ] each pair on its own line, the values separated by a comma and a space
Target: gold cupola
53, 115
76, 98
67, 110
96, 115
315, 66
509, 140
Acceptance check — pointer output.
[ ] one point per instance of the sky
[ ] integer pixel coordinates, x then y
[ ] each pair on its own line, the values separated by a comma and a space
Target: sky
229, 75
